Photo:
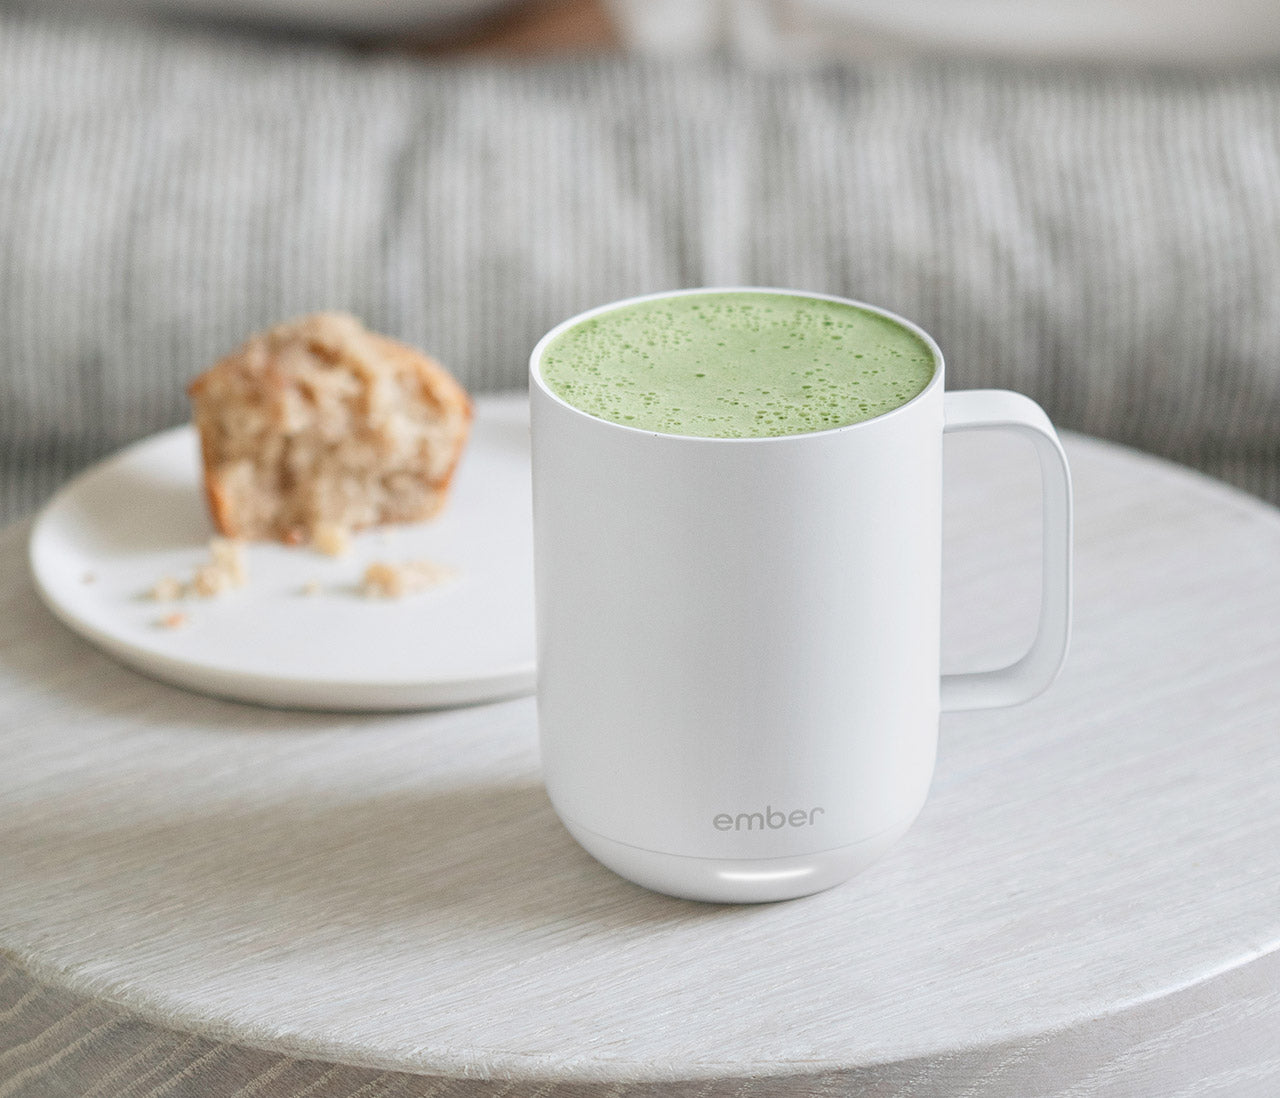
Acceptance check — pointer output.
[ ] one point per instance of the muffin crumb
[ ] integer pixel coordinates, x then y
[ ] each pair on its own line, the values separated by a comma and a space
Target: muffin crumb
388, 580
224, 571
228, 555
166, 589
331, 538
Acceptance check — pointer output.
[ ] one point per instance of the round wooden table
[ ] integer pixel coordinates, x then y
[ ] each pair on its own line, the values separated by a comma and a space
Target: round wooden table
201, 897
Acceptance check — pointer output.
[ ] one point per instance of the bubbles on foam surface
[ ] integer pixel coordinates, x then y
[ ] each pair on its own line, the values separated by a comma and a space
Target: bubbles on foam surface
737, 365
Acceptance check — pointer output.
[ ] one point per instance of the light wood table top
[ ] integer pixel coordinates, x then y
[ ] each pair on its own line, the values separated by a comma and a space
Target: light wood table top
1089, 903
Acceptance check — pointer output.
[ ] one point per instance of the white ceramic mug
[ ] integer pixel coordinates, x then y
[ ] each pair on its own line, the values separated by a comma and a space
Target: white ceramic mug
738, 639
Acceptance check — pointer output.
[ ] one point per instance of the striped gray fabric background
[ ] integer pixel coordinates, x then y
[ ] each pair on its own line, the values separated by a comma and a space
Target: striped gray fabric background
1108, 243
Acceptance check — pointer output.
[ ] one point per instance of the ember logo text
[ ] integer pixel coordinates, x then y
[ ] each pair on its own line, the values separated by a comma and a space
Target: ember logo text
771, 819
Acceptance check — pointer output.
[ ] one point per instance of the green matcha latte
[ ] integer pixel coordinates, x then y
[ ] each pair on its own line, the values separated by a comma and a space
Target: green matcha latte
739, 364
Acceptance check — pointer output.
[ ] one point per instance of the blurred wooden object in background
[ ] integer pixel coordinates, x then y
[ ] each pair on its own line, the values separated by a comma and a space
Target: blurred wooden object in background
533, 28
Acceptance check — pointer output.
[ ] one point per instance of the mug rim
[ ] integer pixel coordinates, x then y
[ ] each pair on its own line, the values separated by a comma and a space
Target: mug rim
935, 382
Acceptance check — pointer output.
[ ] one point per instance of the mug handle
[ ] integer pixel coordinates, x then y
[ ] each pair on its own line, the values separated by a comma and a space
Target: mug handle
1000, 410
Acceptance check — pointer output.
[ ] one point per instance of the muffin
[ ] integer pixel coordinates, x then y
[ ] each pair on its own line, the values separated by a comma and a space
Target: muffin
318, 427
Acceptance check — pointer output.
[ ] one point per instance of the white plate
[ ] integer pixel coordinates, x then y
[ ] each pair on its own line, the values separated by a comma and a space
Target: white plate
104, 541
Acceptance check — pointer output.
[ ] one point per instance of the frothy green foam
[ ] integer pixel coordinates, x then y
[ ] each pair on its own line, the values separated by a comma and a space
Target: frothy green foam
737, 365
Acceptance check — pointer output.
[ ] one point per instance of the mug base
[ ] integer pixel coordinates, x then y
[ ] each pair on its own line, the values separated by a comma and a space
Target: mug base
737, 880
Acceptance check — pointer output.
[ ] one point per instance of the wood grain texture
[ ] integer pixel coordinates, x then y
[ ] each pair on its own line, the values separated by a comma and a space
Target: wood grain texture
1087, 906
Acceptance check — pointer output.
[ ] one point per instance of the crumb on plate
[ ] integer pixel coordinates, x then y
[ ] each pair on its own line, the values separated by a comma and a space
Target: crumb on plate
228, 555
225, 569
166, 589
388, 580
331, 538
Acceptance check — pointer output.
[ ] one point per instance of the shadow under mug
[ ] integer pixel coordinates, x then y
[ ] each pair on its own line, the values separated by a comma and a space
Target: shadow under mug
739, 639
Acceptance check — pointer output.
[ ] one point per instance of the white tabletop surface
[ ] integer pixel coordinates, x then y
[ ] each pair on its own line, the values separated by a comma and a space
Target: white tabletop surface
1089, 903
